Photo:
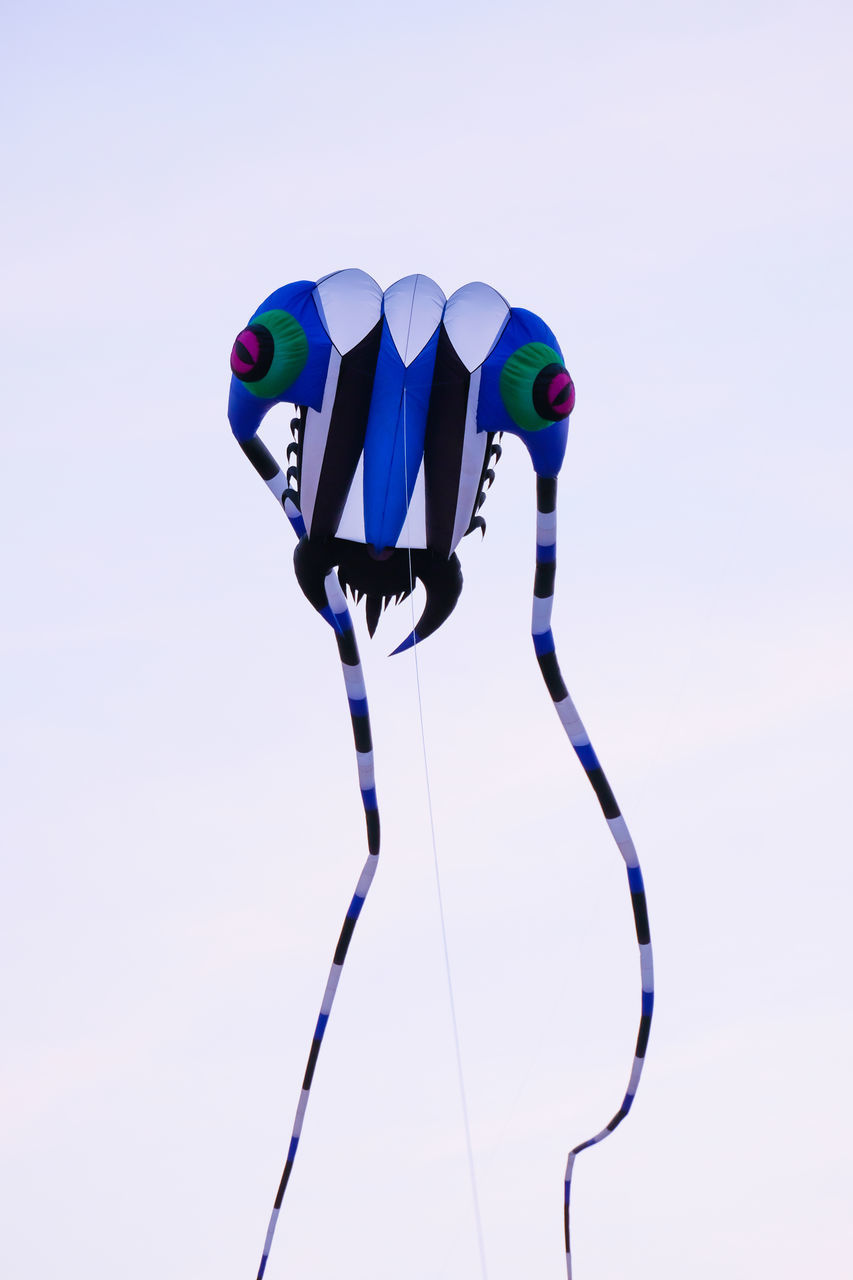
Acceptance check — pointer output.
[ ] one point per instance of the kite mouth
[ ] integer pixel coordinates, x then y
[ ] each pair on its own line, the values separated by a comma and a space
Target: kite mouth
381, 576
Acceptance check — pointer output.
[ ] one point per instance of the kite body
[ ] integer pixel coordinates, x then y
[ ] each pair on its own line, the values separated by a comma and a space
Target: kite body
400, 397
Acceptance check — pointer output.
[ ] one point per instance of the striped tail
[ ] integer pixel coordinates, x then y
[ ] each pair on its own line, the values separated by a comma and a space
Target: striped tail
543, 641
337, 615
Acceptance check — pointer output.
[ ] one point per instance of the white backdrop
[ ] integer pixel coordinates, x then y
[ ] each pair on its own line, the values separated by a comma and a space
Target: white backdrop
669, 187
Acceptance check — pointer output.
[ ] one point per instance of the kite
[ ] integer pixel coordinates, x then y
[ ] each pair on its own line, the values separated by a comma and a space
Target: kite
401, 397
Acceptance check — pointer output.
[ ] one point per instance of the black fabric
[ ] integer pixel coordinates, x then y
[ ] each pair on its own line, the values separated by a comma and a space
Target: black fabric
601, 787
618, 1118
260, 457
311, 562
546, 492
282, 1186
543, 582
312, 1062
361, 733
443, 444
550, 669
641, 916
347, 429
344, 940
643, 1037
347, 648
372, 819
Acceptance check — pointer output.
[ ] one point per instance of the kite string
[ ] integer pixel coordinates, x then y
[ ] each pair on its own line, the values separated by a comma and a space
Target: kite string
472, 1173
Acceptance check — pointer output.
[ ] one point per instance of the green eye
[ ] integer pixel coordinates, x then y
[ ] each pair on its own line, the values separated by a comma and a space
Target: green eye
536, 388
270, 354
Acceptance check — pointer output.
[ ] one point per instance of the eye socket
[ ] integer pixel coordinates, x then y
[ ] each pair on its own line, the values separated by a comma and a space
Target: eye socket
269, 354
536, 387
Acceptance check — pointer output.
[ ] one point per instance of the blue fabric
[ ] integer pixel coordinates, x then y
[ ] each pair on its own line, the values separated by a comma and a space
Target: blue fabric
546, 554
400, 397
298, 525
635, 880
245, 410
544, 642
588, 759
368, 797
547, 446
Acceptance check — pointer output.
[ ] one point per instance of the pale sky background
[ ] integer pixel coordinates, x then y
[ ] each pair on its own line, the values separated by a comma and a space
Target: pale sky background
669, 186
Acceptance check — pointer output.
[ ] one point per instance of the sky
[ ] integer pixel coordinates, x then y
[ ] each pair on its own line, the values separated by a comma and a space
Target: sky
669, 186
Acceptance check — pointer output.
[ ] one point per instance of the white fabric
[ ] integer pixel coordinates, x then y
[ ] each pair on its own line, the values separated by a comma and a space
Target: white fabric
350, 304
546, 528
351, 524
473, 453
622, 836
572, 722
366, 775
354, 681
331, 987
366, 878
334, 594
646, 967
270, 1232
413, 532
314, 444
278, 484
474, 318
413, 311
542, 618
300, 1113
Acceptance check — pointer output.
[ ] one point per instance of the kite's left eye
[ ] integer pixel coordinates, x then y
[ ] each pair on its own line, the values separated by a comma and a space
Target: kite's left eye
536, 387
252, 353
270, 354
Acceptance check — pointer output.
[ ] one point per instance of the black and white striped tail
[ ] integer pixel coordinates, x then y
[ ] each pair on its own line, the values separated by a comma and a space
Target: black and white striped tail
337, 615
543, 640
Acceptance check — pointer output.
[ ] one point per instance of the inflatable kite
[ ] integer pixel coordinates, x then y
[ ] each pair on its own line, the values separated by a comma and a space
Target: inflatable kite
400, 397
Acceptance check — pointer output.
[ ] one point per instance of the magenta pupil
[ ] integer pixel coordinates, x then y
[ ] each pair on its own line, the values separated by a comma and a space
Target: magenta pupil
558, 392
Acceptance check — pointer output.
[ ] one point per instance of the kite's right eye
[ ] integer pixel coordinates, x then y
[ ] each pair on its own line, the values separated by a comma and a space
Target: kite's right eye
270, 354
